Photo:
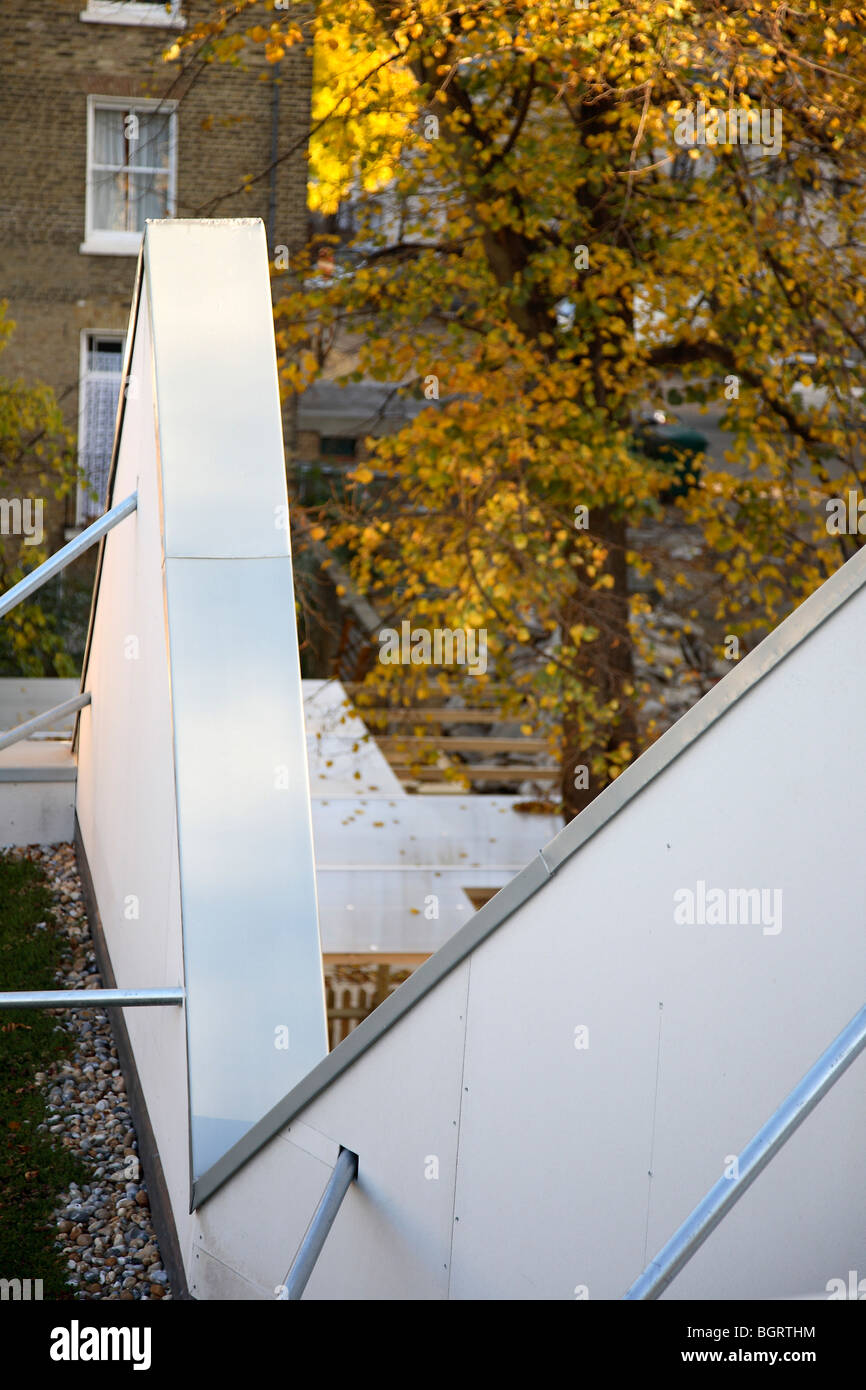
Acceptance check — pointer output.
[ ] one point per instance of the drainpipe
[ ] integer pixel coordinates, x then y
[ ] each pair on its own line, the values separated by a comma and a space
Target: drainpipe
289, 416
275, 130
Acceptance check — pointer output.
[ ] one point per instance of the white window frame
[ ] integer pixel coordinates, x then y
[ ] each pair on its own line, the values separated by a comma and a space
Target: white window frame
98, 242
82, 500
164, 14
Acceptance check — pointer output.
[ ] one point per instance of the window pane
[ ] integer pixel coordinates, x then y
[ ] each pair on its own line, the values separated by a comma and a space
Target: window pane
100, 409
104, 355
346, 448
109, 202
108, 137
150, 150
148, 197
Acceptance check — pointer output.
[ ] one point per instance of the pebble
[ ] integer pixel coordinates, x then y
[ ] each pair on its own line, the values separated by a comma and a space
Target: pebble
104, 1228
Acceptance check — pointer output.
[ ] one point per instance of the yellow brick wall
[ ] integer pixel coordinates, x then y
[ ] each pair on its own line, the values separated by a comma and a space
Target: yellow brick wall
51, 61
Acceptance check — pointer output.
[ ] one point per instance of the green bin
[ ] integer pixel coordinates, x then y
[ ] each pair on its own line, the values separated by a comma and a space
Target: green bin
675, 447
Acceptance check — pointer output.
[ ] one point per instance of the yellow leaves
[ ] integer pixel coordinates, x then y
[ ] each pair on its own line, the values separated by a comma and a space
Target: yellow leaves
377, 177
535, 431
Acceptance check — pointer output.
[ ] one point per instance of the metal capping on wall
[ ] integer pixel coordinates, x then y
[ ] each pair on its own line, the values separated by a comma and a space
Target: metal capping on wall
135, 304
794, 630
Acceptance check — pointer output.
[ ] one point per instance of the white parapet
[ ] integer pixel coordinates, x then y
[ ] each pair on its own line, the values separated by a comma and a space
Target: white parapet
193, 792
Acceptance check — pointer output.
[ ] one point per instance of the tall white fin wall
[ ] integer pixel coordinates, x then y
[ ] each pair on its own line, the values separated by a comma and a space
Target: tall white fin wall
193, 795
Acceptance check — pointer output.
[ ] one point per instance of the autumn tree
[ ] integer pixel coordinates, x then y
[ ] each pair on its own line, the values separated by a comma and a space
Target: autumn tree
586, 206
36, 458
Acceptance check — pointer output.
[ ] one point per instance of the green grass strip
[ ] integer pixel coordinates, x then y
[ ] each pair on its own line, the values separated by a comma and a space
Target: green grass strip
33, 1169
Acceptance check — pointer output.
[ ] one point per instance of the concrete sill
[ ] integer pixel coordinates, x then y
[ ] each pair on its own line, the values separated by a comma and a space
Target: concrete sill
120, 245
133, 15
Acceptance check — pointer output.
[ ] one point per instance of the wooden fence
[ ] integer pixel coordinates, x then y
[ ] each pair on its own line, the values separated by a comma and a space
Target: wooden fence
353, 992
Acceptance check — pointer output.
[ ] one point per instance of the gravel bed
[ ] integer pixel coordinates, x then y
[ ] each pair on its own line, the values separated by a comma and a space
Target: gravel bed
104, 1228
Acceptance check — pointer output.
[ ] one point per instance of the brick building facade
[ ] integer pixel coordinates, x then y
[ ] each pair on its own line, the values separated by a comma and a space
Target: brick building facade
98, 133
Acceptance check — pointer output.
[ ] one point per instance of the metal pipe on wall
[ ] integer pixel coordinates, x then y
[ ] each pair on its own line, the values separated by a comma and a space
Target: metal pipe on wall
341, 1179
63, 557
90, 998
275, 130
796, 1106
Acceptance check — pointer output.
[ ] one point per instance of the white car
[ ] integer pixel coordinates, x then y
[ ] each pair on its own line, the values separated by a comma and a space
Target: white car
812, 397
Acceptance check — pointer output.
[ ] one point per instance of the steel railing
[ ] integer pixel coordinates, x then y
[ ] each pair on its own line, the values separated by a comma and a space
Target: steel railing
344, 1174
73, 998
34, 581
90, 998
724, 1194
22, 731
65, 556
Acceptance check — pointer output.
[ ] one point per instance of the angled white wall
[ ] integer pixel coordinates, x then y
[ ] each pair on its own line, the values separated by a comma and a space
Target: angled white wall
560, 1170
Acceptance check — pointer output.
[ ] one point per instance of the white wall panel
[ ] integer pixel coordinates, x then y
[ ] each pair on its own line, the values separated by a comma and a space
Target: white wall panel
126, 793
251, 939
745, 1013
252, 1227
398, 1107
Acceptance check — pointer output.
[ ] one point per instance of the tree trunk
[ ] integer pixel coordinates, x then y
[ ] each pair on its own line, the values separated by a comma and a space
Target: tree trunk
604, 668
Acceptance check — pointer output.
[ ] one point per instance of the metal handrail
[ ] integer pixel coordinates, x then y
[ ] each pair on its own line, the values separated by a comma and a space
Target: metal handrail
90, 998
341, 1179
65, 556
58, 712
799, 1103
